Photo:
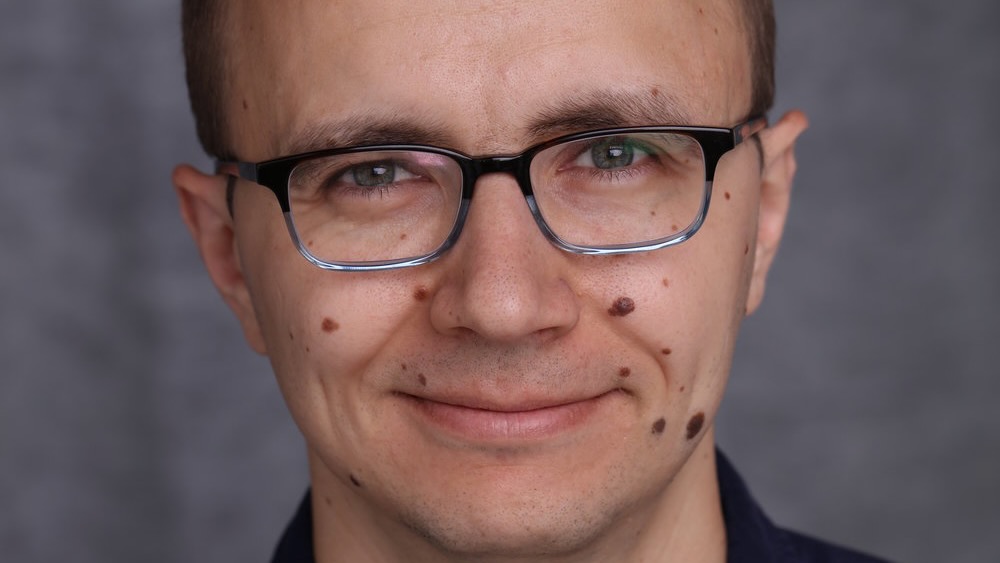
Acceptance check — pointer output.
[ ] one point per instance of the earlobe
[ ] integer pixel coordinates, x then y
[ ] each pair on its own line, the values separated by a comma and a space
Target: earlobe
204, 209
777, 174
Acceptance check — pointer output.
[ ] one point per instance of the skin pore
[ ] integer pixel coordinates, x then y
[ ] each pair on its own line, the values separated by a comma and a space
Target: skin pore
510, 401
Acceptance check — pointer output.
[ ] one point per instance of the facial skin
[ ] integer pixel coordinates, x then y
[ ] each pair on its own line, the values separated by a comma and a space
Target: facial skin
494, 405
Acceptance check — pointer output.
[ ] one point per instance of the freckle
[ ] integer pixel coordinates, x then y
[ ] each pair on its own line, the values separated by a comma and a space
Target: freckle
307, 349
716, 30
683, 389
311, 243
746, 250
674, 228
624, 372
666, 282
621, 307
727, 196
354, 481
403, 366
700, 11
659, 425
422, 379
329, 325
694, 425
328, 501
402, 236
666, 351
655, 91
291, 336
652, 213
245, 104
420, 294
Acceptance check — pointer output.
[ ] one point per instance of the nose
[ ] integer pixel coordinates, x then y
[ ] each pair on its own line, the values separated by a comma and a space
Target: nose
504, 281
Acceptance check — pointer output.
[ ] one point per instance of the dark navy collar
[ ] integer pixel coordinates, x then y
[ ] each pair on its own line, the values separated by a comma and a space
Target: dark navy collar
750, 535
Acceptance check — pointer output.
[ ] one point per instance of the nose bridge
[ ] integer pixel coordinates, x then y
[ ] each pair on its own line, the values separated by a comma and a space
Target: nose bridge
513, 165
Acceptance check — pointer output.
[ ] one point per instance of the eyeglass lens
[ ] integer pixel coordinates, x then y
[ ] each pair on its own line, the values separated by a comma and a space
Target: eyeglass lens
384, 205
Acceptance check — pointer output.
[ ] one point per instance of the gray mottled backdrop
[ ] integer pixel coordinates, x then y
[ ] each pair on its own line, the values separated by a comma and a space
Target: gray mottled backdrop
135, 425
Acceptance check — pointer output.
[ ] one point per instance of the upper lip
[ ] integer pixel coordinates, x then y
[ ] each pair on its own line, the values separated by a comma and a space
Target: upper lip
508, 404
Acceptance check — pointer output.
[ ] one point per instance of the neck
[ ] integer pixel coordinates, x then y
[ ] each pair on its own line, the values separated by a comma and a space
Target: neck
683, 522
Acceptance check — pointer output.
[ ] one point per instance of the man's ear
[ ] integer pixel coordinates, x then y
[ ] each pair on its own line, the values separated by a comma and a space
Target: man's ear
778, 146
206, 213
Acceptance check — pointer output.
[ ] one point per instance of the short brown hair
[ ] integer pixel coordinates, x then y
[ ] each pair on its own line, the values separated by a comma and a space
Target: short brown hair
204, 31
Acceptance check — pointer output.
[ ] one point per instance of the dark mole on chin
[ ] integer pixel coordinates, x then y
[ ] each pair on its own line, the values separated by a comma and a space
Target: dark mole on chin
624, 372
329, 325
354, 480
659, 425
621, 307
694, 425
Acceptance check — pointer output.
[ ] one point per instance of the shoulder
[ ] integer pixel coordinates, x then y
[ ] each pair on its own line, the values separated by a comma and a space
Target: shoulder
804, 549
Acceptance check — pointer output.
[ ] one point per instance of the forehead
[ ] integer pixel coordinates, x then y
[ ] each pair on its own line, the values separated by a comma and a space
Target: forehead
480, 73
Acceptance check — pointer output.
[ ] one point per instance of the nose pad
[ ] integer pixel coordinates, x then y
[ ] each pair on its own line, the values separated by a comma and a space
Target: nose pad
505, 281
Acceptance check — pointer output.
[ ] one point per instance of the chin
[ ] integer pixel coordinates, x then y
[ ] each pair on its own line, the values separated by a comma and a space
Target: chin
509, 532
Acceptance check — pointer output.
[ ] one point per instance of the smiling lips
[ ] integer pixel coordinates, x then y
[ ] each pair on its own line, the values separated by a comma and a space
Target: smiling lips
508, 422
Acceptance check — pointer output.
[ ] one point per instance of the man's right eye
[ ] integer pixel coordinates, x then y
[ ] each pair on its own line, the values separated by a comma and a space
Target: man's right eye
374, 174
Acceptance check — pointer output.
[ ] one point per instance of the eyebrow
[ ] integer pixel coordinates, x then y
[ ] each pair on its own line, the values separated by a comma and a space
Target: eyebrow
603, 109
597, 109
361, 130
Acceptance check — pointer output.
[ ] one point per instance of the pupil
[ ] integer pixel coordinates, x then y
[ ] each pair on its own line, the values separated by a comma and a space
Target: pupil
613, 153
377, 174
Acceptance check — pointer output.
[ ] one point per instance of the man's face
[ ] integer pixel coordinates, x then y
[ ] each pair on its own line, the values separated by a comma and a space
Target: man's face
509, 396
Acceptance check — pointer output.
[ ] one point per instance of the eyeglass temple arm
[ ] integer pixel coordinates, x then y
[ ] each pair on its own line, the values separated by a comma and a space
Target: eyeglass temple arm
245, 170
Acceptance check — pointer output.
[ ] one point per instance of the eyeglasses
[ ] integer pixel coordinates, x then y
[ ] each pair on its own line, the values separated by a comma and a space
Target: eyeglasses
612, 191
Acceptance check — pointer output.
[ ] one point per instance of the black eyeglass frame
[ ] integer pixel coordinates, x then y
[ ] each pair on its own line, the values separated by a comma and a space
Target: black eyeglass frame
275, 174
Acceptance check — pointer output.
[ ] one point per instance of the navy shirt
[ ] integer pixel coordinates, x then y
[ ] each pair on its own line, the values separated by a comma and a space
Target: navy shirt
750, 536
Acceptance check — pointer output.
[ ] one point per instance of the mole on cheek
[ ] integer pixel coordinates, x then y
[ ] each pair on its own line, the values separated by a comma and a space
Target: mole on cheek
354, 481
246, 106
727, 196
621, 307
420, 294
666, 282
694, 425
422, 379
291, 336
624, 371
746, 250
666, 351
659, 425
329, 325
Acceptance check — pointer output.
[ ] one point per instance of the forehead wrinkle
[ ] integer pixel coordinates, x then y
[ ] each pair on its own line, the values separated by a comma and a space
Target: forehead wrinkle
598, 109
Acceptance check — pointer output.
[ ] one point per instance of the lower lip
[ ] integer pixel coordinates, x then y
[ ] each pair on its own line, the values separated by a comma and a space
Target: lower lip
481, 425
